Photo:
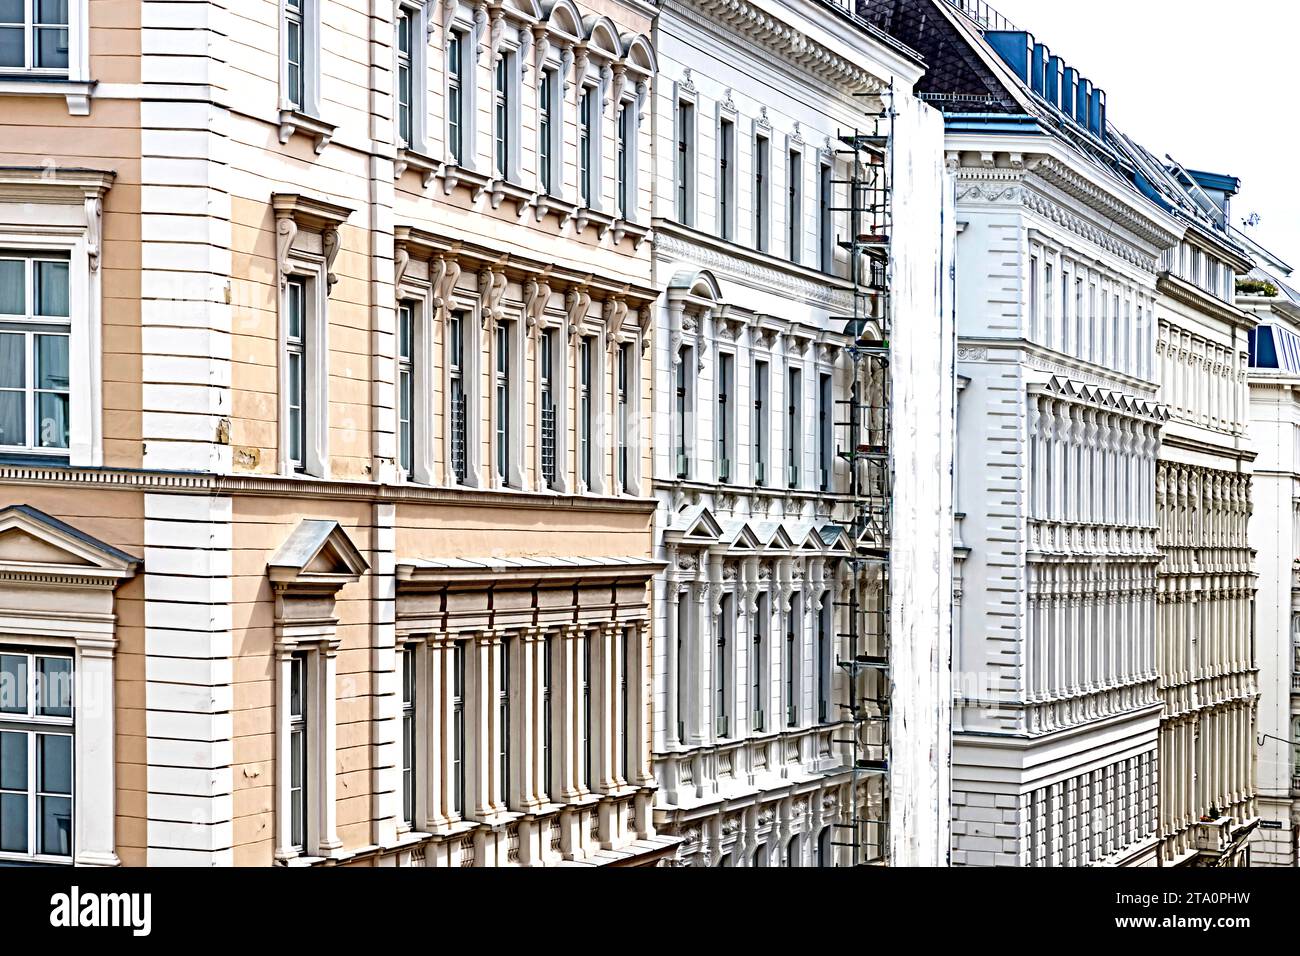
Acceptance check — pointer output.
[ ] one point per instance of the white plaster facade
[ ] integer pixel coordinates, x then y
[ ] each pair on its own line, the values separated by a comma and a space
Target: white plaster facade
749, 368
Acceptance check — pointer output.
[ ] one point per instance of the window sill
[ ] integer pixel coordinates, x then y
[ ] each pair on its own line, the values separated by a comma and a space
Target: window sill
76, 92
588, 216
453, 176
34, 458
502, 189
626, 229
544, 203
295, 121
415, 161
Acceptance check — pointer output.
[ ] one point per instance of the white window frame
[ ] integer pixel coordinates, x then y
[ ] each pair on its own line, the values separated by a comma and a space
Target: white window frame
418, 66
685, 156
725, 169
71, 204
310, 14
510, 64
470, 360
590, 89
551, 75
29, 325
73, 83
468, 89
761, 183
316, 361
419, 295
515, 474
826, 212
318, 655
794, 226
724, 415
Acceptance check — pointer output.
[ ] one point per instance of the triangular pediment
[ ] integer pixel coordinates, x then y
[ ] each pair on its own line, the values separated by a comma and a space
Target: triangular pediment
33, 543
318, 551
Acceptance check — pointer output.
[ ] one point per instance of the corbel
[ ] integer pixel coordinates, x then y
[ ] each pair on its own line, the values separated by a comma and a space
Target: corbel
537, 295
286, 230
94, 224
577, 302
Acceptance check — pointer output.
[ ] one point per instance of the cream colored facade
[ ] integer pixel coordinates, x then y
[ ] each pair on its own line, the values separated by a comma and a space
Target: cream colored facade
351, 601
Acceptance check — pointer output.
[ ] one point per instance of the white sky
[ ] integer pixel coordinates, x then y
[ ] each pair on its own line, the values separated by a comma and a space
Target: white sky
1212, 84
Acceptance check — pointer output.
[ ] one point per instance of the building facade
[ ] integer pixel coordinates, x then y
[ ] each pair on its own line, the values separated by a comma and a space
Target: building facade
1057, 708
327, 493
1274, 427
752, 376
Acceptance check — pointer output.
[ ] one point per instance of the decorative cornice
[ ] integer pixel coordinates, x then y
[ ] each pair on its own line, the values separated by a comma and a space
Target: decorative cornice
1183, 291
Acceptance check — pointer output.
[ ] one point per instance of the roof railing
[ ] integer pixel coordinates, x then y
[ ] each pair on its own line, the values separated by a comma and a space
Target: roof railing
983, 14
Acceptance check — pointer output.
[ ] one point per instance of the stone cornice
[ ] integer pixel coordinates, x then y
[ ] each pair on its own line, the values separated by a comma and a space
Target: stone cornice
1183, 291
272, 486
1060, 175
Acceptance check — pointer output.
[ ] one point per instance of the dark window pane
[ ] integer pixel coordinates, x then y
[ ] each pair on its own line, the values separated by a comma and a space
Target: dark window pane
11, 11
54, 763
51, 285
11, 47
51, 11
13, 761
52, 362
54, 686
13, 684
13, 822
55, 837
52, 49
13, 429
13, 360
13, 295
52, 418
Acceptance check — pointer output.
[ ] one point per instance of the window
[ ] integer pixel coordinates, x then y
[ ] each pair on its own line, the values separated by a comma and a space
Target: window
826, 217
825, 660
760, 855
588, 118
683, 410
685, 163
586, 742
1033, 296
624, 706
503, 721
794, 427
762, 169
458, 728
726, 177
295, 341
794, 206
760, 422
456, 394
726, 377
623, 159
1049, 309
548, 769
546, 130
624, 421
298, 752
456, 109
35, 385
792, 647
758, 664
404, 75
792, 852
503, 403
825, 432
585, 410
405, 385
298, 36
36, 765
722, 668
408, 735
683, 659
546, 374
501, 110
825, 850
34, 35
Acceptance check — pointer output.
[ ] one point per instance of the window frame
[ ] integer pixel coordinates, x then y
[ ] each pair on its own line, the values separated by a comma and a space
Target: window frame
315, 460
458, 88
762, 190
685, 138
724, 418
794, 205
308, 17
726, 172
30, 325
506, 84
760, 397
826, 213
794, 427
417, 14
31, 30
588, 140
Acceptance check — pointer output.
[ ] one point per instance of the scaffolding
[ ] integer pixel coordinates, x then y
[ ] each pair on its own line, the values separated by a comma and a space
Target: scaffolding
864, 440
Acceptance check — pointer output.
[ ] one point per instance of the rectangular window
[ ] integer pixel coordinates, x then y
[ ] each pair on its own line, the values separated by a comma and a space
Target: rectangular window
408, 736
458, 729
683, 659
726, 177
722, 668
792, 647
685, 163
1033, 297
758, 666
726, 378
683, 412
624, 708
295, 52
298, 752
760, 423
35, 386
503, 402
295, 342
585, 409
1049, 310
501, 113
623, 160
826, 217
825, 660
762, 160
794, 428
587, 127
455, 95
624, 420
456, 393
587, 743
406, 385
547, 769
34, 35
503, 721
546, 374
794, 207
404, 75
36, 748
825, 432
545, 129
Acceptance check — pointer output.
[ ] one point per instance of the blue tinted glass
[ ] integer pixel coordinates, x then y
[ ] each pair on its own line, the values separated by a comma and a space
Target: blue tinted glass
54, 686
13, 683
54, 763
13, 761
13, 822
55, 837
